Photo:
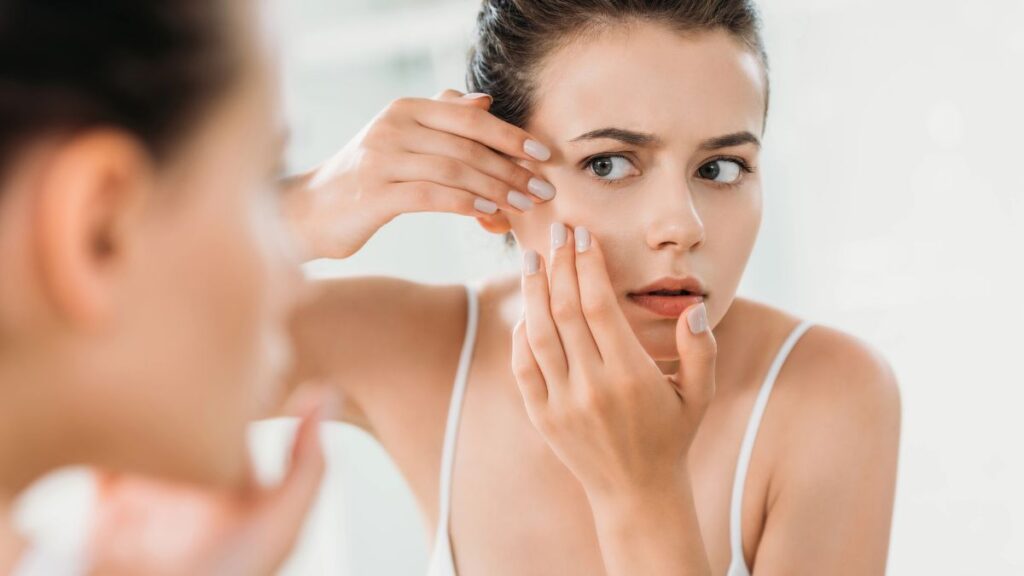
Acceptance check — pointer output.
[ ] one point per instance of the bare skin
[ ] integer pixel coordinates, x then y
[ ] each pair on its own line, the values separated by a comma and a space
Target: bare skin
821, 482
143, 316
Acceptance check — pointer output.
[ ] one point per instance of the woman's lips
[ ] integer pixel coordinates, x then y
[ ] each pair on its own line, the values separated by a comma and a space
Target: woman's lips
664, 305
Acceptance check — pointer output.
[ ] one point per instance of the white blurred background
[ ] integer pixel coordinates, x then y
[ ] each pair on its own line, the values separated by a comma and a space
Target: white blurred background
894, 211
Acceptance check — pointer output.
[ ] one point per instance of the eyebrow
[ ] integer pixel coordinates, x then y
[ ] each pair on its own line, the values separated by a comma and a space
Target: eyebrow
730, 140
635, 138
631, 137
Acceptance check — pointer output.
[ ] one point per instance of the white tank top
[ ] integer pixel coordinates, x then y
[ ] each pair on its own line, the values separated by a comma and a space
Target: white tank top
442, 562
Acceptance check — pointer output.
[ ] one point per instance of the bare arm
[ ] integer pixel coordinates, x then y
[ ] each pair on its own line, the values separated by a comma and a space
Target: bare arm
378, 342
830, 508
374, 339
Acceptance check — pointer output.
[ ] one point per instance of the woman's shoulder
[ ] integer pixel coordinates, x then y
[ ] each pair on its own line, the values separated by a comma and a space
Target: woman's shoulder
825, 361
834, 389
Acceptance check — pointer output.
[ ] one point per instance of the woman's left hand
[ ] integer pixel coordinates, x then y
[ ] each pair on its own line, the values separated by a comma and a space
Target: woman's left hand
603, 405
159, 528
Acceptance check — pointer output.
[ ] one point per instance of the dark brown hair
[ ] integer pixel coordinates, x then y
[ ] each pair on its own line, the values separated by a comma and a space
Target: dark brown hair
514, 37
146, 67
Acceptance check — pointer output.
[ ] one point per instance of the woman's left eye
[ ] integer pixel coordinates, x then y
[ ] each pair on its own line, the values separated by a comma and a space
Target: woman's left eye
722, 171
611, 167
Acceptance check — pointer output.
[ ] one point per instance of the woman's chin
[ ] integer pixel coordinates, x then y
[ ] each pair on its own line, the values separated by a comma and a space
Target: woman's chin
659, 341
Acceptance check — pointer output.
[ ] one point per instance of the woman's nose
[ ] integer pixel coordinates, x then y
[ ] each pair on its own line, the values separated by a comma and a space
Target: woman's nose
675, 221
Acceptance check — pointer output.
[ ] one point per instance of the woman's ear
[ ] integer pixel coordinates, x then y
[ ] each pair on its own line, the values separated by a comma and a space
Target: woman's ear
88, 199
496, 223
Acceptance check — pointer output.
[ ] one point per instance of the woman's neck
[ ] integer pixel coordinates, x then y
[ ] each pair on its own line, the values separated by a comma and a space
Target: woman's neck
34, 438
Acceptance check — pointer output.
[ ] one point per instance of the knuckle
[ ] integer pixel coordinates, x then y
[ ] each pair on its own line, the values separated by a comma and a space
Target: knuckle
467, 116
540, 339
596, 307
562, 309
517, 175
495, 189
468, 149
512, 136
449, 170
398, 107
706, 353
522, 367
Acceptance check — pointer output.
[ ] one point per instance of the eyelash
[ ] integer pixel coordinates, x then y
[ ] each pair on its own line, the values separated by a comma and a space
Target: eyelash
585, 165
745, 167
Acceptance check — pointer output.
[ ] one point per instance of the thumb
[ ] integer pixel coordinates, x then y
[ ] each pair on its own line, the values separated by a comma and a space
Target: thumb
285, 508
478, 99
698, 353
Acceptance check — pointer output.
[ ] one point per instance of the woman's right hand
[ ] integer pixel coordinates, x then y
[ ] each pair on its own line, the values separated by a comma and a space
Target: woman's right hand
446, 154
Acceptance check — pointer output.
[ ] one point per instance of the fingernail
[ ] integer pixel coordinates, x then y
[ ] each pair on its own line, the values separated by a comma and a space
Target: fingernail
697, 318
541, 189
558, 235
531, 262
582, 239
484, 205
537, 150
520, 201
475, 96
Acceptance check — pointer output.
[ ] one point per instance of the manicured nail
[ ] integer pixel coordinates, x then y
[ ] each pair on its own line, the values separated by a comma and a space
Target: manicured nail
484, 205
558, 235
531, 262
475, 96
697, 318
537, 150
582, 239
520, 201
541, 189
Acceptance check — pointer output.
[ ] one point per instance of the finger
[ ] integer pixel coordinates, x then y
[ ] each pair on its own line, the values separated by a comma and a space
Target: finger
285, 508
480, 125
528, 375
698, 353
580, 348
457, 174
541, 333
432, 197
608, 325
308, 397
448, 94
478, 99
104, 480
476, 155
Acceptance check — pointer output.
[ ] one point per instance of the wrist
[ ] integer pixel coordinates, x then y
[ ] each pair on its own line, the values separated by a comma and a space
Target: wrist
651, 529
297, 209
328, 219
629, 499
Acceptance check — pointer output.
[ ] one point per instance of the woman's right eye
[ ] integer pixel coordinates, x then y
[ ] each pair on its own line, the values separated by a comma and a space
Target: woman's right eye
611, 168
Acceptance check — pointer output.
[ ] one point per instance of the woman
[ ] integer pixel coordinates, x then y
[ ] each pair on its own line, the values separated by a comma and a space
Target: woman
605, 406
146, 281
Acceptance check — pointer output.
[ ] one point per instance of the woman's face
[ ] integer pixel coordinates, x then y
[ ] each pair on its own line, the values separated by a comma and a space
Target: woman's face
655, 140
202, 339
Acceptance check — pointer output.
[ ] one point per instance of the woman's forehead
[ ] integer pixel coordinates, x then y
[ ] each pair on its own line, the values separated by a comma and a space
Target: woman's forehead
650, 79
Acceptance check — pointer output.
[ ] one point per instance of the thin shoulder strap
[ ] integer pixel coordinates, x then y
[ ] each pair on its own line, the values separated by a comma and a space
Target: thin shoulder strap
747, 447
451, 431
